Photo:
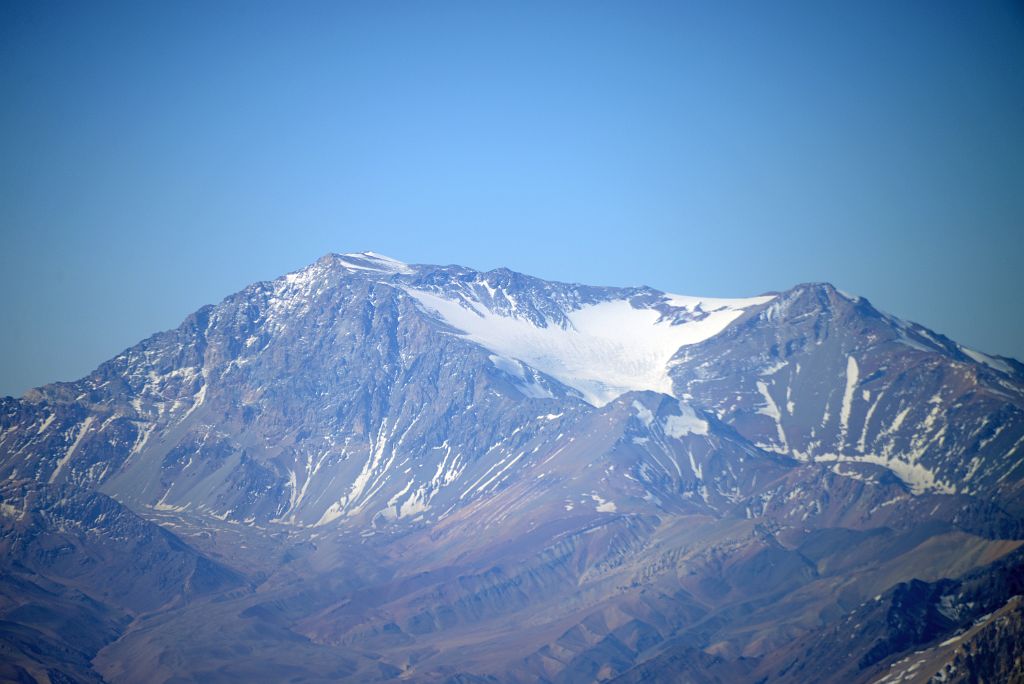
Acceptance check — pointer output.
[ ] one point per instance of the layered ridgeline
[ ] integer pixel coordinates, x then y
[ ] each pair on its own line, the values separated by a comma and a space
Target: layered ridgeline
372, 470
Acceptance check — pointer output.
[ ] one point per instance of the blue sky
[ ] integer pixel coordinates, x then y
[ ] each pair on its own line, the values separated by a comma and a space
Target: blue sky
157, 156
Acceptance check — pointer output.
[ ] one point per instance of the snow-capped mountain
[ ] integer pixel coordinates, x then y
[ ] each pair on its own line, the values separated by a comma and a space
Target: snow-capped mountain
543, 480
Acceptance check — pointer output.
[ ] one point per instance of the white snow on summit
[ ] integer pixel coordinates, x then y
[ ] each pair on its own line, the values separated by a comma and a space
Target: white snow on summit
371, 261
607, 349
990, 361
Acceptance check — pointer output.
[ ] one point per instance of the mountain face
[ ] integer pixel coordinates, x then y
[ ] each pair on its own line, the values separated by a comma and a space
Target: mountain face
372, 471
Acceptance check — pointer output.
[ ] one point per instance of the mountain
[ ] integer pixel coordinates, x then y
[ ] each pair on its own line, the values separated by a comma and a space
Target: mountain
370, 470
77, 567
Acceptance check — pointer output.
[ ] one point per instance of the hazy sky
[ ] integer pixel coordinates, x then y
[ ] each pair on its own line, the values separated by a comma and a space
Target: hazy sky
157, 156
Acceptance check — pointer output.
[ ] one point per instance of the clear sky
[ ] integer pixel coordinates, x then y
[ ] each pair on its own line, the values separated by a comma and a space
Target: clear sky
157, 156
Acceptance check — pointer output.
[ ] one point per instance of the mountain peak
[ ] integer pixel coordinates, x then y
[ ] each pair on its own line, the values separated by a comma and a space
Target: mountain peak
823, 288
369, 261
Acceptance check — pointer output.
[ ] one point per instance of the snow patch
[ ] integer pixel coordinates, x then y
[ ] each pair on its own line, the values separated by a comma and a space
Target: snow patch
46, 423
63, 461
990, 361
914, 475
526, 384
852, 376
604, 351
371, 261
771, 409
643, 413
11, 512
695, 467
686, 423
